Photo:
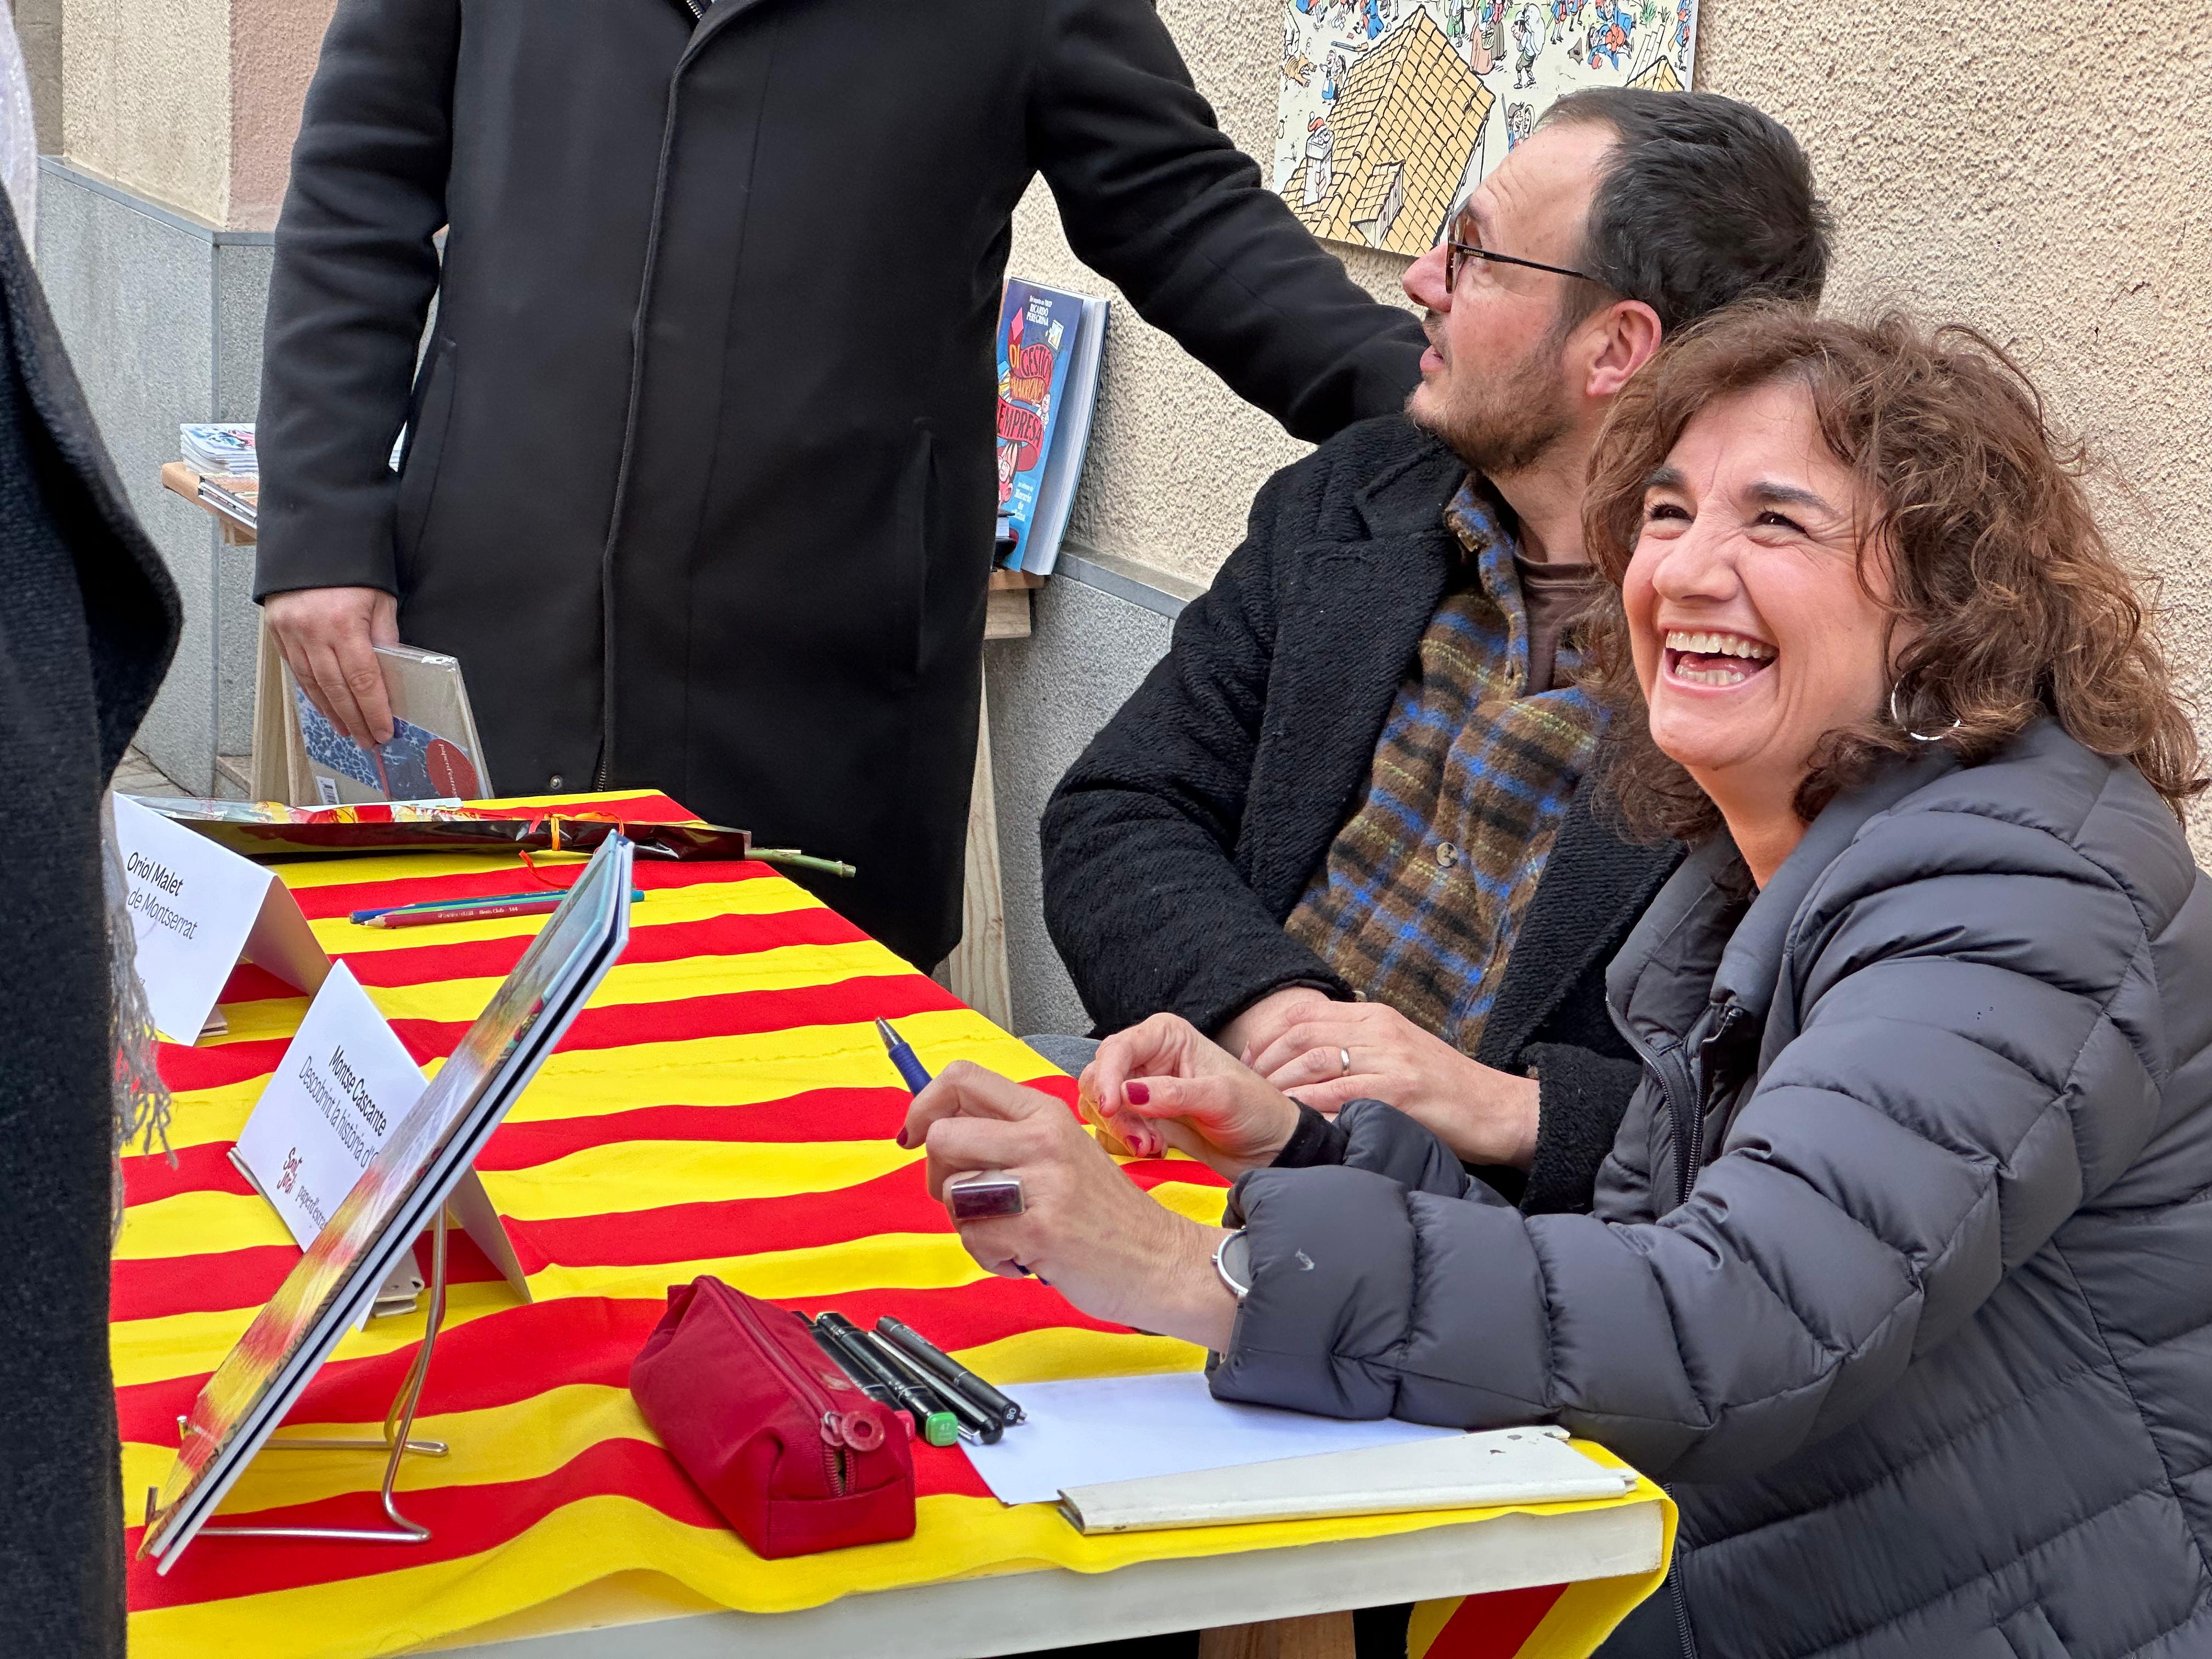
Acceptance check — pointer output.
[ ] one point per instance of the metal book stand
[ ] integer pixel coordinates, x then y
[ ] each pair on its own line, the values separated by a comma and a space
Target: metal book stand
394, 1442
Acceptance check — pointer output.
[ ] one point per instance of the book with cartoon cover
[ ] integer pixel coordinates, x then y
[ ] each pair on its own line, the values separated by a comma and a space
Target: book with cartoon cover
1040, 330
434, 753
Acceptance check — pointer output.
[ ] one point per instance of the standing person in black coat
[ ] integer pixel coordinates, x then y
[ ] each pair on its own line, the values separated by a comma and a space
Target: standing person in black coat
86, 635
700, 477
1355, 775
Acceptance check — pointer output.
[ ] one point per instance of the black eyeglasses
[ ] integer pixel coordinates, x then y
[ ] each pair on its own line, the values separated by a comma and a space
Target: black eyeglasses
1458, 253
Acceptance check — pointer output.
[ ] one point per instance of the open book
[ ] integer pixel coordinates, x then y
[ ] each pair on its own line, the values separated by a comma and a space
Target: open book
397, 1195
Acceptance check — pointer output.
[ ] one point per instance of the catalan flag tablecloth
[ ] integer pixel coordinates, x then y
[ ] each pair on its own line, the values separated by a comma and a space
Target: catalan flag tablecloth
722, 1106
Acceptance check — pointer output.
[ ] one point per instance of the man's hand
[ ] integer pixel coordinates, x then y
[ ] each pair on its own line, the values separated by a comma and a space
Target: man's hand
1085, 1228
327, 636
1485, 1115
1162, 1084
1242, 1037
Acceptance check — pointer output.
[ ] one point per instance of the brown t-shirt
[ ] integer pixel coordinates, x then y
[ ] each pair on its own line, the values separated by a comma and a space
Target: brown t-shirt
1553, 595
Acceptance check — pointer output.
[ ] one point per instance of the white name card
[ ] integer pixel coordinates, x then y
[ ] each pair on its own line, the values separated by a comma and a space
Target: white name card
342, 1086
195, 909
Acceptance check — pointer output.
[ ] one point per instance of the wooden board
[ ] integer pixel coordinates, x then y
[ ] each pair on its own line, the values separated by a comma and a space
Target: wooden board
1006, 606
976, 971
179, 479
1322, 1636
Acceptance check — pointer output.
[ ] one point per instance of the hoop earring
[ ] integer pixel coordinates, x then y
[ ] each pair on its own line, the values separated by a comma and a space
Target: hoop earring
1897, 720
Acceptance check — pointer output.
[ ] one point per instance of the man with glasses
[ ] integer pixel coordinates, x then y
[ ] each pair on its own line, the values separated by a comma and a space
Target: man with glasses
1339, 826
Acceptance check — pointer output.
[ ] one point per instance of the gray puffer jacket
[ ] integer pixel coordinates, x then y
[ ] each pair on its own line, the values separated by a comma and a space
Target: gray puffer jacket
1901, 1268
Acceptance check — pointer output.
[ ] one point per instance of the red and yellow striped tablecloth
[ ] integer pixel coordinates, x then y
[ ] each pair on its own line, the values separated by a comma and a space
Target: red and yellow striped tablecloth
721, 1106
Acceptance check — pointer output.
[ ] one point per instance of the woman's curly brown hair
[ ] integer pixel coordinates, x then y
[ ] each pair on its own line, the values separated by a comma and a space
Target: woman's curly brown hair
2023, 609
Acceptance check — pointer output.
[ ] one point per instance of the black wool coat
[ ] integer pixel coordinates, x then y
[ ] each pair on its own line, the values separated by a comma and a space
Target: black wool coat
87, 630
701, 484
1179, 843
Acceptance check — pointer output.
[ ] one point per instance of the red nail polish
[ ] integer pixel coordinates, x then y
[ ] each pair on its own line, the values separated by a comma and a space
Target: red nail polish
902, 1141
1139, 1094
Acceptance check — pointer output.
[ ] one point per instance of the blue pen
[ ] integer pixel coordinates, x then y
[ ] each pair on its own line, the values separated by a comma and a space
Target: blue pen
998, 1192
910, 1067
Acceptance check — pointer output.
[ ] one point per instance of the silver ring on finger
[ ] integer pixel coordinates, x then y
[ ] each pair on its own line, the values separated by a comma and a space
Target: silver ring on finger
1345, 1056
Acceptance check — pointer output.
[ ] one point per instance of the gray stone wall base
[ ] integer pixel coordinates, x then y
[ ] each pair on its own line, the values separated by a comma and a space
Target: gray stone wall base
162, 318
1099, 626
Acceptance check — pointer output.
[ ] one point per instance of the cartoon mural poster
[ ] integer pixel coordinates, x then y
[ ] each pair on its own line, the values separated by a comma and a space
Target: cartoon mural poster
1037, 327
1389, 110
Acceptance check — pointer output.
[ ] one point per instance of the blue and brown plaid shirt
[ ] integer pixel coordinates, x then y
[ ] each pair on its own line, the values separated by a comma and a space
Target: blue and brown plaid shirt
1423, 890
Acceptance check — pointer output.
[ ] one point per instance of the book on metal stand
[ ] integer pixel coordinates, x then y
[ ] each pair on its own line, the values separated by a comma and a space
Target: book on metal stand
402, 1193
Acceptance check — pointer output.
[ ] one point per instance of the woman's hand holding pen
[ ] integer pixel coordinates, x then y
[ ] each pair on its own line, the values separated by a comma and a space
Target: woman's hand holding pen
1165, 1084
1086, 1229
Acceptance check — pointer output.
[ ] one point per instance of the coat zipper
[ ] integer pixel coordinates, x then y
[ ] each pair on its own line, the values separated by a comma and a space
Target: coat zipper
1671, 1067
837, 1435
1696, 1095
1701, 1097
1686, 1109
1681, 1609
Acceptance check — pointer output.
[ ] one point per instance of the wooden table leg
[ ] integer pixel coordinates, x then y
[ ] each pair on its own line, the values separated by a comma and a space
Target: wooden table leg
1324, 1636
977, 970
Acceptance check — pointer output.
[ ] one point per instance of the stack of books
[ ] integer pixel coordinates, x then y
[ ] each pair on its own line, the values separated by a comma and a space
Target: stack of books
226, 450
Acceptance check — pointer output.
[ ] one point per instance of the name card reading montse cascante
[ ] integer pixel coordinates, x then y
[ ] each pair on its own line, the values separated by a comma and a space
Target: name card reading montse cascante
343, 1084
195, 909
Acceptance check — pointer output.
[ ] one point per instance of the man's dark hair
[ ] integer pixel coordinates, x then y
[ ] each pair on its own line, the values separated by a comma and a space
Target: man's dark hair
1705, 201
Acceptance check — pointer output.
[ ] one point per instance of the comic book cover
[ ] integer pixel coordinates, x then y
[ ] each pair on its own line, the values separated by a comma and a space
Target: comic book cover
1390, 111
434, 753
1038, 328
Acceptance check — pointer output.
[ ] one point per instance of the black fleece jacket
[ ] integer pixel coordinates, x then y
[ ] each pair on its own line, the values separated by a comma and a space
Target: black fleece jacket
1177, 845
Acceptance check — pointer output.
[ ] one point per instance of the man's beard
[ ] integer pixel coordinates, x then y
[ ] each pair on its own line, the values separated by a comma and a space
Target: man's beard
1502, 425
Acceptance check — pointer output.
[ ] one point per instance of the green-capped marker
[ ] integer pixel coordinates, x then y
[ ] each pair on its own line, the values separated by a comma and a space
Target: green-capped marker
940, 1428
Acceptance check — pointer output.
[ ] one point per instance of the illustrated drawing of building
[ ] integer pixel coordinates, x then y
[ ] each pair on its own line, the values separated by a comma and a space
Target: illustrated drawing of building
1658, 75
1385, 167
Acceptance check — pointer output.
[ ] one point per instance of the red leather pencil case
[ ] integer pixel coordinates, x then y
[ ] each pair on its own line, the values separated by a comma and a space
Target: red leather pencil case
795, 1456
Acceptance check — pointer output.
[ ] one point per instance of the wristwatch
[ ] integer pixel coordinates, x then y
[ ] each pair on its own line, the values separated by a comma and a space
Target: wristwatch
1233, 1262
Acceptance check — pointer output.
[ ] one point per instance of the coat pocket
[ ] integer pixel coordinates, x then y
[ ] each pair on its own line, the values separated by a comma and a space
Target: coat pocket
425, 453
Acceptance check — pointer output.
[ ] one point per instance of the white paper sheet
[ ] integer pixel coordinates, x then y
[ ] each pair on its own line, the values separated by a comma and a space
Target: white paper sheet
1123, 1428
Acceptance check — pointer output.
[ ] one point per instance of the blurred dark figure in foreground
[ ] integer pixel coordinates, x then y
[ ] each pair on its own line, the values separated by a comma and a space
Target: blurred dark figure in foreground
86, 635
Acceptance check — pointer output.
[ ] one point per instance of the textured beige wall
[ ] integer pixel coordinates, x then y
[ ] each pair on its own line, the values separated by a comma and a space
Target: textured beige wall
146, 97
273, 51
194, 102
2041, 185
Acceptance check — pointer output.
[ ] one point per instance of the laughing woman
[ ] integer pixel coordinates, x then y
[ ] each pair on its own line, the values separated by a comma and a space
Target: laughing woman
1901, 1267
